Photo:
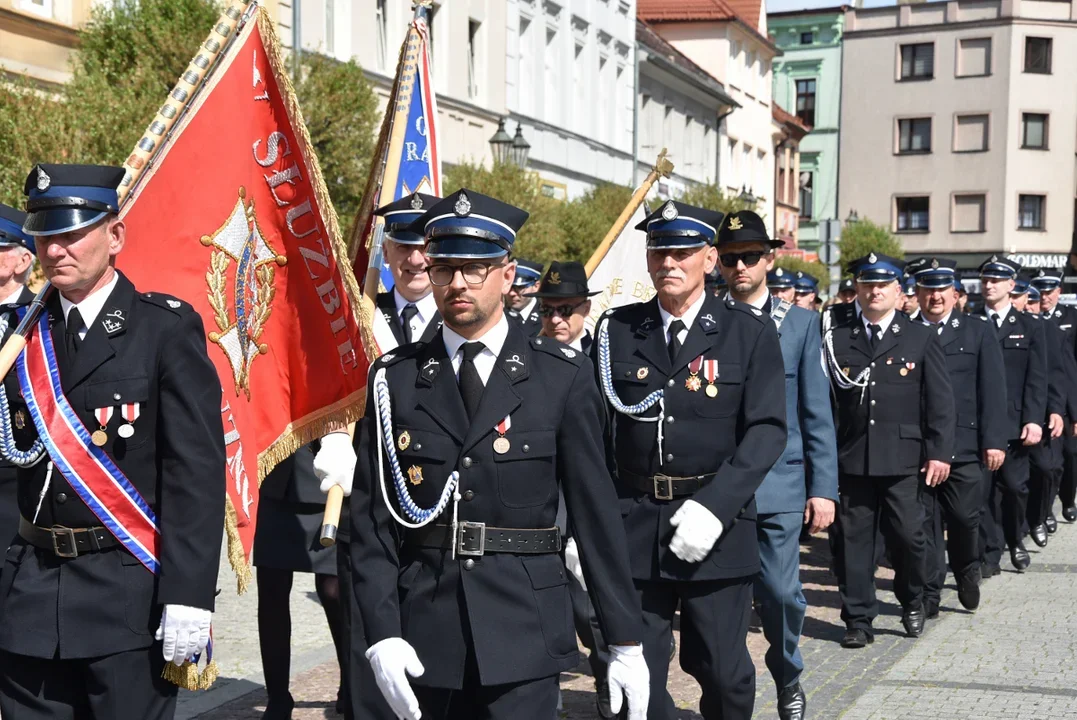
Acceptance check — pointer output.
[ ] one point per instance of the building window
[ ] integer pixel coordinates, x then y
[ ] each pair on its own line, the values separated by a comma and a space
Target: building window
552, 80
971, 133
912, 214
380, 29
914, 135
805, 198
969, 213
973, 57
918, 61
1034, 131
38, 7
807, 38
472, 58
330, 22
1037, 55
806, 101
1030, 212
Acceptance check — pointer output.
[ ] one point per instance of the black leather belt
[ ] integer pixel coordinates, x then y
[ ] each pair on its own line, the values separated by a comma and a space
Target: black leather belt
476, 539
67, 542
666, 487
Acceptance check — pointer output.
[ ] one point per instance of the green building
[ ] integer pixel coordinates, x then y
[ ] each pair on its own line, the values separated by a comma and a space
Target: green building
807, 83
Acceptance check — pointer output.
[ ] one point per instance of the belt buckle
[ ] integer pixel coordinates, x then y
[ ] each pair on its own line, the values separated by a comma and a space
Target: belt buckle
473, 546
663, 481
69, 534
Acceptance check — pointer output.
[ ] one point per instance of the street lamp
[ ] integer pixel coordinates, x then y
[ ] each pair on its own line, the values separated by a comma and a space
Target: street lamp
746, 196
853, 218
520, 147
501, 143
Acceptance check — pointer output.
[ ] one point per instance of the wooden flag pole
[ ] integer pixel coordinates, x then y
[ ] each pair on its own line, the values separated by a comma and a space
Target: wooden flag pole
662, 168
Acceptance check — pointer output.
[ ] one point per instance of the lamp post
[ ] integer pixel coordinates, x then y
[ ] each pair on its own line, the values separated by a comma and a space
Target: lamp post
853, 218
746, 196
520, 147
501, 143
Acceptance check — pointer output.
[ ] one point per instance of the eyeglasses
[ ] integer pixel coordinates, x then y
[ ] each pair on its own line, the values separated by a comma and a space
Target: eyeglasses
750, 259
474, 274
562, 310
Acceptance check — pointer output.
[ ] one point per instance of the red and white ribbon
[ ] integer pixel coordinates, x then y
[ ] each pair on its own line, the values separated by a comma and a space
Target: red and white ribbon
104, 415
503, 426
129, 411
710, 370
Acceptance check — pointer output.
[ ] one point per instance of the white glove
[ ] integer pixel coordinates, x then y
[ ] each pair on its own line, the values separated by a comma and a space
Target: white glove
628, 675
335, 462
185, 631
572, 562
392, 660
697, 531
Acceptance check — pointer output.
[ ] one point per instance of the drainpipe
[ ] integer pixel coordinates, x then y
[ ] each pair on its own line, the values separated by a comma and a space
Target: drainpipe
635, 116
718, 160
297, 36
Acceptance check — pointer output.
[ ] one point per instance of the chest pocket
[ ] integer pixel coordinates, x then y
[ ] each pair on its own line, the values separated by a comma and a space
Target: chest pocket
959, 358
116, 394
631, 380
426, 460
1015, 344
727, 402
526, 475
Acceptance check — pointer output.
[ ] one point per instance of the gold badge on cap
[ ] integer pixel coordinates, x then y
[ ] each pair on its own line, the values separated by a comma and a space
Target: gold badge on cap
415, 475
403, 441
735, 223
554, 278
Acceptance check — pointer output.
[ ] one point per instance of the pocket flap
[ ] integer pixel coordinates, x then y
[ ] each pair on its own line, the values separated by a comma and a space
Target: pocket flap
630, 372
425, 444
1018, 343
546, 572
909, 432
966, 421
528, 445
728, 373
113, 393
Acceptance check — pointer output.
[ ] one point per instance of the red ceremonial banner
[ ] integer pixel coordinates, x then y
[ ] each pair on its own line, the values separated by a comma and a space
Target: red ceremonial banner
234, 218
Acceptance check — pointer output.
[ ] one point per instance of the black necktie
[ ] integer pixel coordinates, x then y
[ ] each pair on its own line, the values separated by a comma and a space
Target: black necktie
71, 337
471, 385
406, 315
876, 331
998, 320
675, 329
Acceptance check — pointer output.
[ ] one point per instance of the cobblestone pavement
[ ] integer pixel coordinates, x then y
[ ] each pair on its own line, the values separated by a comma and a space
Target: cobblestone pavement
1014, 659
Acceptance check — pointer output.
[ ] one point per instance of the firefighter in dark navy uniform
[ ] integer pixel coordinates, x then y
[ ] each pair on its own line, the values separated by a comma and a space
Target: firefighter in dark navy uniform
521, 304
464, 444
82, 605
974, 362
894, 411
696, 389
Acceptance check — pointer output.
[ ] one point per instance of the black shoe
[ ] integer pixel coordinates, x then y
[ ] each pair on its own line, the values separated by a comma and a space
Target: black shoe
279, 708
672, 647
931, 609
602, 700
792, 703
1039, 535
913, 622
1052, 523
1069, 514
968, 590
989, 570
856, 638
1019, 557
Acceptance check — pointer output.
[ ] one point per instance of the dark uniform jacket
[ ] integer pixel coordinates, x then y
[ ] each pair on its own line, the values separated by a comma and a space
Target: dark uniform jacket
512, 610
1064, 371
978, 379
386, 303
531, 324
906, 414
733, 438
24, 436
1024, 352
108, 602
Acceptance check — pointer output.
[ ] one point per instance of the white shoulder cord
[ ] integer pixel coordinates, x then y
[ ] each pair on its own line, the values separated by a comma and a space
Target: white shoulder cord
8, 449
841, 379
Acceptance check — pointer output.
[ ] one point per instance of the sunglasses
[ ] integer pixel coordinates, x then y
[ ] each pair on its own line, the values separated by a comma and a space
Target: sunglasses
562, 310
750, 259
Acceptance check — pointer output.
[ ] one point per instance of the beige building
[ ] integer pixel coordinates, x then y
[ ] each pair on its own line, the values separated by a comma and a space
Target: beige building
38, 36
959, 126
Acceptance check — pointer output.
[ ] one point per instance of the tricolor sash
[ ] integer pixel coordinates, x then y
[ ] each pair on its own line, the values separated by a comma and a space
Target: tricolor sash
87, 468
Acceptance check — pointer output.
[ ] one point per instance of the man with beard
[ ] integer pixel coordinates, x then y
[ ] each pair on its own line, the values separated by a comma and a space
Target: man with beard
696, 389
802, 488
806, 289
461, 452
520, 299
974, 363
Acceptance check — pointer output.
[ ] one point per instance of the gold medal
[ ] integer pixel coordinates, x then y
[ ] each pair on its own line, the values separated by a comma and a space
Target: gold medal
641, 374
712, 391
501, 445
693, 383
403, 441
415, 475
903, 372
99, 438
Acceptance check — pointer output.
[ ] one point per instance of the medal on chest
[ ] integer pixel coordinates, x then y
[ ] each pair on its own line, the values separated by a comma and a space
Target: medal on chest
130, 413
692, 382
501, 443
99, 437
710, 371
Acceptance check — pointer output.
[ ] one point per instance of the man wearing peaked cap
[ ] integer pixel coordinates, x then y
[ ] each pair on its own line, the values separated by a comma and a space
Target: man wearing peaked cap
975, 366
962, 295
782, 284
894, 411
1049, 284
107, 611
806, 288
1025, 356
458, 575
847, 291
679, 371
912, 304
520, 299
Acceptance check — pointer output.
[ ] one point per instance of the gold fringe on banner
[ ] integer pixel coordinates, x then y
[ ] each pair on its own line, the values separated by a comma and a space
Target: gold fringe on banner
184, 676
316, 425
237, 558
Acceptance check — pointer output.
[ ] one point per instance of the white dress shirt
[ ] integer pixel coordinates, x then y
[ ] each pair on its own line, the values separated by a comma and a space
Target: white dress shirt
91, 306
883, 323
945, 319
688, 318
12, 298
1001, 312
493, 339
426, 307
528, 308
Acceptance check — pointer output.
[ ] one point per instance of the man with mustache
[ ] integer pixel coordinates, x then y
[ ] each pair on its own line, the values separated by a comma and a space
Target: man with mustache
696, 390
801, 489
465, 442
894, 411
974, 363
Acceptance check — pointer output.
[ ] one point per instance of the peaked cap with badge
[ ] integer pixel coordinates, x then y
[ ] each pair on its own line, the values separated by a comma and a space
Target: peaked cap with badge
780, 279
65, 198
806, 283
468, 224
401, 214
677, 225
1046, 279
528, 272
565, 280
11, 232
745, 226
999, 268
932, 272
877, 268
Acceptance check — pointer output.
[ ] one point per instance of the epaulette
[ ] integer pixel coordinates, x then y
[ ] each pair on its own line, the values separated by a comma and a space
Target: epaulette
557, 349
399, 353
749, 310
168, 302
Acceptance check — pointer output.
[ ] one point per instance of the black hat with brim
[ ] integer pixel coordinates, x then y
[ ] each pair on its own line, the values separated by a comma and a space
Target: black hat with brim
565, 280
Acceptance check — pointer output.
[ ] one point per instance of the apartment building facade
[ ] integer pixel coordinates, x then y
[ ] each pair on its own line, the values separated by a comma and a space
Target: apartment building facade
37, 38
959, 126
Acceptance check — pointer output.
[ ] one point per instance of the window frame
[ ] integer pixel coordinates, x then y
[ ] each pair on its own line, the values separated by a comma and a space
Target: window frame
990, 57
1046, 131
987, 132
1042, 227
1050, 55
983, 211
811, 37
814, 95
811, 194
930, 135
901, 77
898, 199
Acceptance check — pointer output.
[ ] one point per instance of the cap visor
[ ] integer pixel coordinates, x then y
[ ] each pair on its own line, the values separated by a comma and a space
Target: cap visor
60, 220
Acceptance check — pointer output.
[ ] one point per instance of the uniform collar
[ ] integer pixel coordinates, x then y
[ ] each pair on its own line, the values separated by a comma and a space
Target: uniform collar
493, 339
425, 305
884, 323
1001, 312
90, 307
13, 298
944, 321
525, 313
689, 316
